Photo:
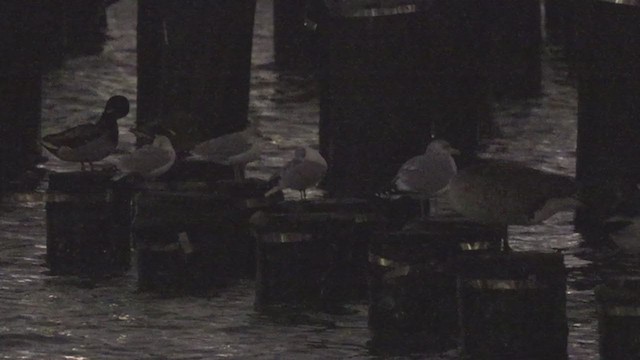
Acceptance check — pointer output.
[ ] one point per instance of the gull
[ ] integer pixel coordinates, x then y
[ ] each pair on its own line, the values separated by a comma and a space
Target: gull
234, 149
87, 143
503, 193
148, 161
305, 170
428, 174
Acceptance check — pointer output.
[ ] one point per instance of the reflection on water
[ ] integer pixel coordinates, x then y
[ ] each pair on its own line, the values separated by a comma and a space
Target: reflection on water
64, 317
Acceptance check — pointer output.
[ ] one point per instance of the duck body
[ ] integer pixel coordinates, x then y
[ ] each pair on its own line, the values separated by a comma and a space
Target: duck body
87, 143
509, 193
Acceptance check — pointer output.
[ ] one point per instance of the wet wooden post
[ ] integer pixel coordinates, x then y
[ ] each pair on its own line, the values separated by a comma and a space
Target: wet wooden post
85, 26
22, 40
88, 225
514, 40
559, 22
387, 75
412, 283
608, 49
619, 318
194, 66
512, 305
294, 36
313, 254
193, 237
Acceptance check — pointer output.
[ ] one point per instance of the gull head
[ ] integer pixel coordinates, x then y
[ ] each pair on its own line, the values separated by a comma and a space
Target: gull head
440, 146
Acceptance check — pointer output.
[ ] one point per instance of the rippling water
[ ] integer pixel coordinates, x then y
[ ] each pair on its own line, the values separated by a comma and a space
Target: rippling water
44, 317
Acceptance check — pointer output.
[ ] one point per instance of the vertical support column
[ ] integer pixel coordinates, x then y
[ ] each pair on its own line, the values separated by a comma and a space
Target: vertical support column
194, 66
514, 39
387, 75
608, 112
85, 26
21, 41
294, 44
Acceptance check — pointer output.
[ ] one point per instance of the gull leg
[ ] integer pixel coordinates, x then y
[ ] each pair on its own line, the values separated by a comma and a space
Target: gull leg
237, 172
90, 166
81, 166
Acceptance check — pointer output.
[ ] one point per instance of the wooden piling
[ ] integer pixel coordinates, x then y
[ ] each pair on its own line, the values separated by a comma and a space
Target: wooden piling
85, 26
512, 306
619, 318
196, 238
412, 283
608, 49
294, 38
313, 254
88, 225
513, 45
23, 39
194, 66
389, 79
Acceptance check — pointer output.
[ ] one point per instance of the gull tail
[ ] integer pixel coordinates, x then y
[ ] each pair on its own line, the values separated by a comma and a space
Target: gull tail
273, 190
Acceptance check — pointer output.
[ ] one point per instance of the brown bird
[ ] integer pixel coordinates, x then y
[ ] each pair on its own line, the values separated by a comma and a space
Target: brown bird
87, 143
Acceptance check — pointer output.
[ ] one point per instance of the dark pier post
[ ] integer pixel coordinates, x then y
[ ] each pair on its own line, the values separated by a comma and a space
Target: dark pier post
194, 66
514, 35
294, 37
412, 283
512, 306
22, 39
619, 318
608, 112
85, 26
387, 75
559, 22
88, 225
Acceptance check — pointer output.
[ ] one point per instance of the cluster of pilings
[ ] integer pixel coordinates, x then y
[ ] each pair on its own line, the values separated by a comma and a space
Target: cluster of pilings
390, 78
37, 36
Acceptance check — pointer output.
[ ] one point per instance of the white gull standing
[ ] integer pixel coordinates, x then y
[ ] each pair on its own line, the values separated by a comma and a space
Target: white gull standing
148, 161
428, 174
305, 170
234, 149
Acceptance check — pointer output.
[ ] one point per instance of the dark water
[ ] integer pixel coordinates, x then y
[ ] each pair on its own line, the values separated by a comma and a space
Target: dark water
48, 317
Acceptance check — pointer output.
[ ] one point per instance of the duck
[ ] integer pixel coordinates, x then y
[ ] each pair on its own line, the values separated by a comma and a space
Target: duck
148, 161
305, 170
503, 193
88, 143
428, 175
234, 149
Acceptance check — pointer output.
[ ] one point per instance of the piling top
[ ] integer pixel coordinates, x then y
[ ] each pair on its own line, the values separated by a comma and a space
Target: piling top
371, 8
513, 266
315, 215
80, 181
